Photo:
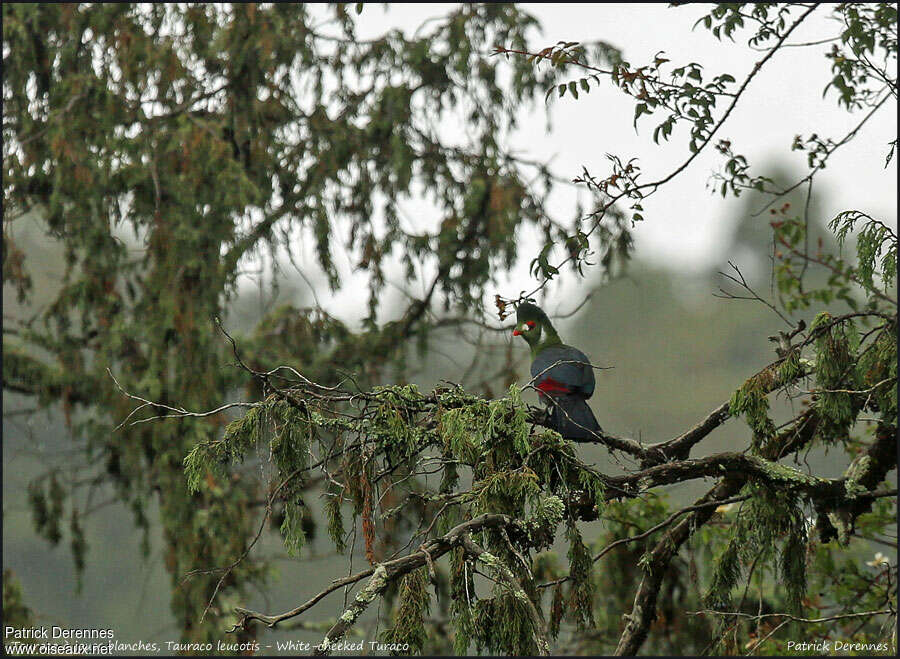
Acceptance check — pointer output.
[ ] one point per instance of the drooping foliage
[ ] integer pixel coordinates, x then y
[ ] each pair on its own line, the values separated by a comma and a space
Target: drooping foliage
536, 479
162, 146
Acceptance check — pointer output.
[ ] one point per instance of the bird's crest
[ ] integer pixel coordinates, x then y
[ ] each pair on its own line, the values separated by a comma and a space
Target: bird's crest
527, 311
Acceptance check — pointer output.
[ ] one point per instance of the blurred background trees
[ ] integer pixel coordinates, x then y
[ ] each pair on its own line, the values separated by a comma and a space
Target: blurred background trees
156, 158
163, 146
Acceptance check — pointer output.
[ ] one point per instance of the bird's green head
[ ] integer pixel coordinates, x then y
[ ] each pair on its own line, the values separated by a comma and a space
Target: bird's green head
532, 325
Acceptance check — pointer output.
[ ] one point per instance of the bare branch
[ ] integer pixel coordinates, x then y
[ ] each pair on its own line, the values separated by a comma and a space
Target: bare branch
435, 548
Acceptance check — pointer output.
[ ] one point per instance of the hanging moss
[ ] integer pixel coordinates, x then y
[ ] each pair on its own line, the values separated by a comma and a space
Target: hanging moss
727, 572
464, 601
770, 517
581, 590
751, 401
461, 431
46, 509
502, 625
834, 371
507, 420
409, 618
506, 491
545, 514
292, 434
335, 519
877, 370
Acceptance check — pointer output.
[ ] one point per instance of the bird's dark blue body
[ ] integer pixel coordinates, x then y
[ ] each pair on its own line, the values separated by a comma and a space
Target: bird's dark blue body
565, 379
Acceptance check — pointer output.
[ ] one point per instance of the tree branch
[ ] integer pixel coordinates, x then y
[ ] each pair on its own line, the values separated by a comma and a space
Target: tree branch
537, 623
643, 611
385, 573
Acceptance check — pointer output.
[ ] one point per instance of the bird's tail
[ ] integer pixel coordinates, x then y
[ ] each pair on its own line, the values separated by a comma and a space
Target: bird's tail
571, 417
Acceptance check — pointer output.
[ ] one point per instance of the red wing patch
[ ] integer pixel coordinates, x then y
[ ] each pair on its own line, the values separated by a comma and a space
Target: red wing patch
551, 386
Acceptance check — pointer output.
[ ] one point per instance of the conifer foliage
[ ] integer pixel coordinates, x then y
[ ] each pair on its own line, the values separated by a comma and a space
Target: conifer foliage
162, 146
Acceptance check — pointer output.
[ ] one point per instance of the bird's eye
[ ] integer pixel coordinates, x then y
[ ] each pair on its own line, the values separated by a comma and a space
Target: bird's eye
531, 324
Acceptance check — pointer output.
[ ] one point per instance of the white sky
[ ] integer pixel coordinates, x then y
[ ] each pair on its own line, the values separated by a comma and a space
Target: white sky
685, 223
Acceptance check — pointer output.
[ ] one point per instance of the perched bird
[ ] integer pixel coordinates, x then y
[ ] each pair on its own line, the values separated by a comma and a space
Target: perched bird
562, 374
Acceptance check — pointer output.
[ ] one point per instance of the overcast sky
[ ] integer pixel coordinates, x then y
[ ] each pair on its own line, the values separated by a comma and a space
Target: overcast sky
685, 223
